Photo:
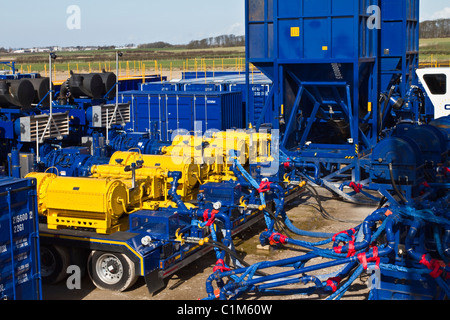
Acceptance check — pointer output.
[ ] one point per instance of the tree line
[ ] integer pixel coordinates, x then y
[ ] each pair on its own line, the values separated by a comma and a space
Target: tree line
435, 29
228, 40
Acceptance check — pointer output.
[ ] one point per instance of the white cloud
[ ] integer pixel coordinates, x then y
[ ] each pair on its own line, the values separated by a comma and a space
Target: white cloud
237, 29
442, 14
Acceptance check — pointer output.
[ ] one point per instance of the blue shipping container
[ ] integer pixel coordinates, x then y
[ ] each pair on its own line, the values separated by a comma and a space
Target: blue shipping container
259, 93
19, 241
161, 113
158, 86
133, 83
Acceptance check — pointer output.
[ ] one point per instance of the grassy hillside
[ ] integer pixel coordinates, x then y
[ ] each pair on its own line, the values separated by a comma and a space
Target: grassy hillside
435, 49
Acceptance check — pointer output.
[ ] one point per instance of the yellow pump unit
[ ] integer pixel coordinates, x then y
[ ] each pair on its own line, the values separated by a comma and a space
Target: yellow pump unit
82, 202
133, 181
213, 152
155, 168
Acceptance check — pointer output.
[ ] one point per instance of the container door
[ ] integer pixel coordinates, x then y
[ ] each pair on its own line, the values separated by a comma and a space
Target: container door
19, 242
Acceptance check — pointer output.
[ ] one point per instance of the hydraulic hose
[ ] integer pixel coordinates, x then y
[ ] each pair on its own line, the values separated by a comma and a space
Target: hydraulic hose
233, 288
312, 166
446, 241
425, 259
176, 175
394, 185
303, 233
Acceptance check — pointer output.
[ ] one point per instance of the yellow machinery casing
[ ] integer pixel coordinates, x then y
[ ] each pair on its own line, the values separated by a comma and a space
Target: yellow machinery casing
155, 168
81, 202
213, 152
100, 202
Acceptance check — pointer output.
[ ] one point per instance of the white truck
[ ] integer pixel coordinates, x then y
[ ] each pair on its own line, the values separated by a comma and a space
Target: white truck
436, 82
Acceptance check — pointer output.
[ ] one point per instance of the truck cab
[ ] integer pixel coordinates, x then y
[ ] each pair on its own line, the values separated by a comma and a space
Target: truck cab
436, 82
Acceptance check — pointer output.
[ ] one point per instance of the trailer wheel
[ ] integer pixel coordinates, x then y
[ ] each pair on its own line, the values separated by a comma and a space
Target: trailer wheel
54, 263
111, 271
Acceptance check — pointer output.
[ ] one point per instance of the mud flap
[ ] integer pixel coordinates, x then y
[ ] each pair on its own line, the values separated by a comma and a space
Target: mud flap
154, 281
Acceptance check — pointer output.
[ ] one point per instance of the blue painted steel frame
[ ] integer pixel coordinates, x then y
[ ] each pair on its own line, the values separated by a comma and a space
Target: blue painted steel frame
376, 58
11, 64
278, 67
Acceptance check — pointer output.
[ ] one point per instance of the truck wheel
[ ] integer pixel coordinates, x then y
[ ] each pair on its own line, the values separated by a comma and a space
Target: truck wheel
111, 271
54, 263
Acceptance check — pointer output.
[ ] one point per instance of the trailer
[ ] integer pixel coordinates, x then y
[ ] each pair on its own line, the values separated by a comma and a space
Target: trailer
155, 245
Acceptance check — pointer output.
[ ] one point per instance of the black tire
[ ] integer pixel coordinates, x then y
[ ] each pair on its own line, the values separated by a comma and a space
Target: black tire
111, 271
79, 257
54, 263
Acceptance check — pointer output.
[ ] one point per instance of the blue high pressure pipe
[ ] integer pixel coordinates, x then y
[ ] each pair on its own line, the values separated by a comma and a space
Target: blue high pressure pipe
368, 237
415, 226
446, 241
391, 221
368, 223
413, 229
242, 172
418, 256
176, 175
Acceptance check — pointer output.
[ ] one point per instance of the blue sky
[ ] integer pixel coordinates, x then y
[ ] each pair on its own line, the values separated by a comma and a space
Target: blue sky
103, 22
434, 9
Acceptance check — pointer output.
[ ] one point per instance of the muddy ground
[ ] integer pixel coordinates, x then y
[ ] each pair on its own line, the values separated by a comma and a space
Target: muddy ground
189, 282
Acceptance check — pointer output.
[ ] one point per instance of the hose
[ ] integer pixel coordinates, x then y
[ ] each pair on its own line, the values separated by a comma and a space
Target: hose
394, 185
233, 253
303, 233
176, 175
322, 210
246, 282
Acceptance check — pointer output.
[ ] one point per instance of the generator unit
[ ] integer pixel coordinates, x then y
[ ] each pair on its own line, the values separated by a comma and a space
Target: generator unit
82, 107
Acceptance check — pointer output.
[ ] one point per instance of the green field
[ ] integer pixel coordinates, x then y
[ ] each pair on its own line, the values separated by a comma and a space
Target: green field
134, 61
435, 51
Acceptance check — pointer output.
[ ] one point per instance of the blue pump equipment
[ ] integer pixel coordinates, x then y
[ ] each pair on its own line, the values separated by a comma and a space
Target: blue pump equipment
404, 249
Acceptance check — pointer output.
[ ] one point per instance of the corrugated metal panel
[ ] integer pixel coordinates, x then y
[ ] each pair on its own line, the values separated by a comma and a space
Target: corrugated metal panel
163, 112
259, 88
19, 241
158, 86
